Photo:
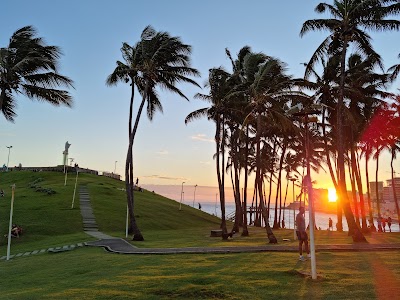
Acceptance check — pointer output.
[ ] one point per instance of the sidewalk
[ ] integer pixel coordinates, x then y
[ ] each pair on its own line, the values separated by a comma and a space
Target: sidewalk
113, 246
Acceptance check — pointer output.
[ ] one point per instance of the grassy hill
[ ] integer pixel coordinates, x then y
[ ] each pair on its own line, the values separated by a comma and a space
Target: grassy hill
42, 207
92, 273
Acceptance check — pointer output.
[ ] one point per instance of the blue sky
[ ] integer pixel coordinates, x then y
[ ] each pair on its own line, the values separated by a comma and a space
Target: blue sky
91, 33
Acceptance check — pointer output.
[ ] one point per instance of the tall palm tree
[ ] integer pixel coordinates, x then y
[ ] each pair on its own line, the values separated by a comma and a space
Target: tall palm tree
28, 66
218, 83
349, 18
157, 60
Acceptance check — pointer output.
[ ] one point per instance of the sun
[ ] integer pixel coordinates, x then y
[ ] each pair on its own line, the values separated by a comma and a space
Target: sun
332, 197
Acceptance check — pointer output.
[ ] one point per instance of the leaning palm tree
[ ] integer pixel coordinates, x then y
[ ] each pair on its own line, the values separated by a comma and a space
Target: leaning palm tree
157, 60
349, 20
28, 66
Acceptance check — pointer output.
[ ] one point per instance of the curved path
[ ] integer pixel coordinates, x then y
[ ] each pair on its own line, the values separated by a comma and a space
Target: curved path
118, 245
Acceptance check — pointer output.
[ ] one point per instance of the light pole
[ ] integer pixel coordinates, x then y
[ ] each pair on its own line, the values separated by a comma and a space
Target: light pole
292, 179
8, 160
300, 112
194, 194
115, 166
180, 203
76, 181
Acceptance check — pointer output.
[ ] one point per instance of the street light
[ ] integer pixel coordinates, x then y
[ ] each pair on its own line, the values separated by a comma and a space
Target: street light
115, 166
194, 194
8, 160
306, 113
180, 204
293, 179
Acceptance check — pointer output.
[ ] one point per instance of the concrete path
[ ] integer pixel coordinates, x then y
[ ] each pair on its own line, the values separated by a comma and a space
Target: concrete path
109, 246
90, 226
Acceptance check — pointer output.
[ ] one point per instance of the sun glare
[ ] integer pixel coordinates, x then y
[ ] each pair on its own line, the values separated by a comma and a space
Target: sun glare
332, 197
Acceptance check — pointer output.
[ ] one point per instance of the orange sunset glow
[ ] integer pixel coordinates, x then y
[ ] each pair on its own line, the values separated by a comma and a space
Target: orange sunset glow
332, 197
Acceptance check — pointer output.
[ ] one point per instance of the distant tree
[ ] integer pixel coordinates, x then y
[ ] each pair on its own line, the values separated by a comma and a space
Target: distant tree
28, 66
157, 60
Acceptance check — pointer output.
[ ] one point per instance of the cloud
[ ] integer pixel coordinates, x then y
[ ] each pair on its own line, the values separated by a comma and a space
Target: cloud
201, 137
162, 152
164, 177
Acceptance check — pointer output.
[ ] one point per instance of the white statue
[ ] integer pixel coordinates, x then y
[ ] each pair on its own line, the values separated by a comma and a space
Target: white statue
66, 148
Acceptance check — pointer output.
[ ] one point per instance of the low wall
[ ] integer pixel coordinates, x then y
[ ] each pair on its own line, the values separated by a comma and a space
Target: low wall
53, 169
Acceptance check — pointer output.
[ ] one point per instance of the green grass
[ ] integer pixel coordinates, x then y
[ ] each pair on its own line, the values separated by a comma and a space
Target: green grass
92, 273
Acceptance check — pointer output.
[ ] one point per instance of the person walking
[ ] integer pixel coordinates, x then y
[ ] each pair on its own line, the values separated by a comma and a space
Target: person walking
379, 223
302, 234
389, 222
330, 224
384, 224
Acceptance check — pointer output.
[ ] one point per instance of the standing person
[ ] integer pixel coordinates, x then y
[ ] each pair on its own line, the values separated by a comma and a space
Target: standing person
302, 234
383, 224
389, 221
379, 224
330, 223
137, 181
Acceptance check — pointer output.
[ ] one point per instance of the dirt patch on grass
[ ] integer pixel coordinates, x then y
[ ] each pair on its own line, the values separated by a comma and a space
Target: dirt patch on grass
387, 286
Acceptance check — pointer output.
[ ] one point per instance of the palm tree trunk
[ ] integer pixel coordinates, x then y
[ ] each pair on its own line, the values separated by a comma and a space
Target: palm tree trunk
393, 185
378, 203
219, 177
353, 229
245, 231
270, 234
370, 209
361, 195
137, 235
279, 187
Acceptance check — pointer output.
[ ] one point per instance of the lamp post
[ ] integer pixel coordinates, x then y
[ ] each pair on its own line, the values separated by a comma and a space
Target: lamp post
292, 179
180, 203
8, 160
194, 194
115, 166
76, 181
300, 112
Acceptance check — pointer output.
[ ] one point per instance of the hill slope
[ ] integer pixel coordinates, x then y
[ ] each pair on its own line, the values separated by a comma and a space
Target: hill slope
48, 220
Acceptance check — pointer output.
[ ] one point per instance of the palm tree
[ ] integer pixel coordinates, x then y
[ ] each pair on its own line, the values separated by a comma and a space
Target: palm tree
28, 66
157, 60
349, 17
218, 82
395, 71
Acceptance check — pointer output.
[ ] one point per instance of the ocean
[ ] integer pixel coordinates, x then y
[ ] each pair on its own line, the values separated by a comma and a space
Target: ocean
321, 219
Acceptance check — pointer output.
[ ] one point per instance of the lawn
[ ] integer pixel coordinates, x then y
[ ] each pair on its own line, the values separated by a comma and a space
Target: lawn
92, 273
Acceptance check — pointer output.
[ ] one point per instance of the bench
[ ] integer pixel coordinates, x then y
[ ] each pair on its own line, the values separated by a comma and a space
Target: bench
216, 233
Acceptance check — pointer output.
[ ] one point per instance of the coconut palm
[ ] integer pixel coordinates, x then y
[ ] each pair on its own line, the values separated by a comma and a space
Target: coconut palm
218, 83
349, 20
157, 60
28, 66
395, 70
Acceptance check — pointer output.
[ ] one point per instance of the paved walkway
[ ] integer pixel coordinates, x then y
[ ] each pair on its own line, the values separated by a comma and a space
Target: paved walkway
109, 245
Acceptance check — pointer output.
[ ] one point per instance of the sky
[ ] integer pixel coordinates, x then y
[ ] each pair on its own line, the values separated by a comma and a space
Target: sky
166, 151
